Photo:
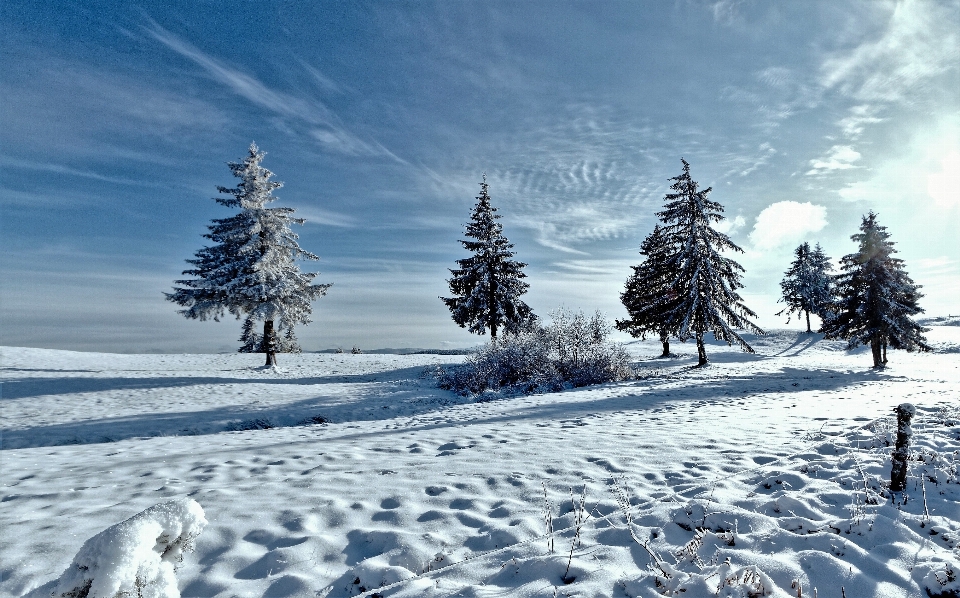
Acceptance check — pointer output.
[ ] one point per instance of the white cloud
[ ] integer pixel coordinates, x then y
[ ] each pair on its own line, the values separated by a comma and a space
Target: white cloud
944, 186
730, 226
786, 222
923, 174
839, 157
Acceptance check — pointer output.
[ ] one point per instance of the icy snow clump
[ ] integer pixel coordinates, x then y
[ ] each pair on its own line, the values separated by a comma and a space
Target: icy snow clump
135, 557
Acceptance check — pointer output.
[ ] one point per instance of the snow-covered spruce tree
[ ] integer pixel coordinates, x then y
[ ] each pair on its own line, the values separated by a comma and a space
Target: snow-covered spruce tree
706, 283
648, 293
487, 286
807, 286
251, 269
876, 297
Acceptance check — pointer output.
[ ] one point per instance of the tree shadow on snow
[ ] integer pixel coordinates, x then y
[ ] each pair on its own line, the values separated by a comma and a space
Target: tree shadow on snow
19, 388
412, 397
409, 396
648, 397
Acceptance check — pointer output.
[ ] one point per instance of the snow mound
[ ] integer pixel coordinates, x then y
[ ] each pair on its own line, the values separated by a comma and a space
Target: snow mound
135, 557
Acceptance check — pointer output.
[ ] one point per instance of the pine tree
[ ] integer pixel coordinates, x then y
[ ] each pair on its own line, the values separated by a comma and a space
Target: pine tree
648, 293
876, 297
251, 270
487, 286
807, 286
706, 283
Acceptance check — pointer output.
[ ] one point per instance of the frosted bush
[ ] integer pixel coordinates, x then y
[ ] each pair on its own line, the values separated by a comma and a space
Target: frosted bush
573, 351
135, 557
939, 579
724, 581
583, 354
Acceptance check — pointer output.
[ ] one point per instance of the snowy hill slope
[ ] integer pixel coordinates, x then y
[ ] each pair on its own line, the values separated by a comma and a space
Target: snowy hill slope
777, 457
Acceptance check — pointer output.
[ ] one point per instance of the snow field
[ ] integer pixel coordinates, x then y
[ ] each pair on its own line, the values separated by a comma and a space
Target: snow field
410, 483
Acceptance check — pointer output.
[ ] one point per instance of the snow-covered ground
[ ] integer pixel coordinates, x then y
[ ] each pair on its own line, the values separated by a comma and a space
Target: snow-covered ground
773, 461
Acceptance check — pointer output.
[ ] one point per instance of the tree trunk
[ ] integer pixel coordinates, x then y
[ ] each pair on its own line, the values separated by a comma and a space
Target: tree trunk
884, 351
666, 345
808, 321
492, 306
876, 351
898, 469
701, 351
269, 343
269, 337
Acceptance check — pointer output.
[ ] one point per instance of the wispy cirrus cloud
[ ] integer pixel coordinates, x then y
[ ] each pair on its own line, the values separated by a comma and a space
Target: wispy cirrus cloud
325, 217
856, 121
725, 11
745, 164
775, 94
920, 40
569, 202
323, 124
918, 43
838, 157
63, 170
67, 110
591, 176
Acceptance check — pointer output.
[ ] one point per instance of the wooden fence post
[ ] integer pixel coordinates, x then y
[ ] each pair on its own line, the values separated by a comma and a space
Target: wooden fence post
898, 471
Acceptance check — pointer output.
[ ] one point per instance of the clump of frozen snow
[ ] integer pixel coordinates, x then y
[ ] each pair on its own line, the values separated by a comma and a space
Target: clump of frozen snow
135, 557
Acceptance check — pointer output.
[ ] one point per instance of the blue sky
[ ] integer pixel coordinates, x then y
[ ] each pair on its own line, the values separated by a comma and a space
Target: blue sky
380, 118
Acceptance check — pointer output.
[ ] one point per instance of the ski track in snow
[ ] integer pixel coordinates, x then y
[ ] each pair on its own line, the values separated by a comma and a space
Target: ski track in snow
407, 478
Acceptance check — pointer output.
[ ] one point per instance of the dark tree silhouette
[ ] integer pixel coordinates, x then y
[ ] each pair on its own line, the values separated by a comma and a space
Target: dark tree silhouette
807, 286
648, 294
876, 297
705, 281
487, 286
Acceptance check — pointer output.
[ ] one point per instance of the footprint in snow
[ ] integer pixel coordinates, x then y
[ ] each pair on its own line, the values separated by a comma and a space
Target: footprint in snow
455, 446
431, 515
500, 512
461, 504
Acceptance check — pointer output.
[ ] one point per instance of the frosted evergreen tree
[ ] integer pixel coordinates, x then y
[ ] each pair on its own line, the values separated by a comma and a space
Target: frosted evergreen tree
876, 297
705, 281
250, 271
807, 286
487, 286
648, 293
